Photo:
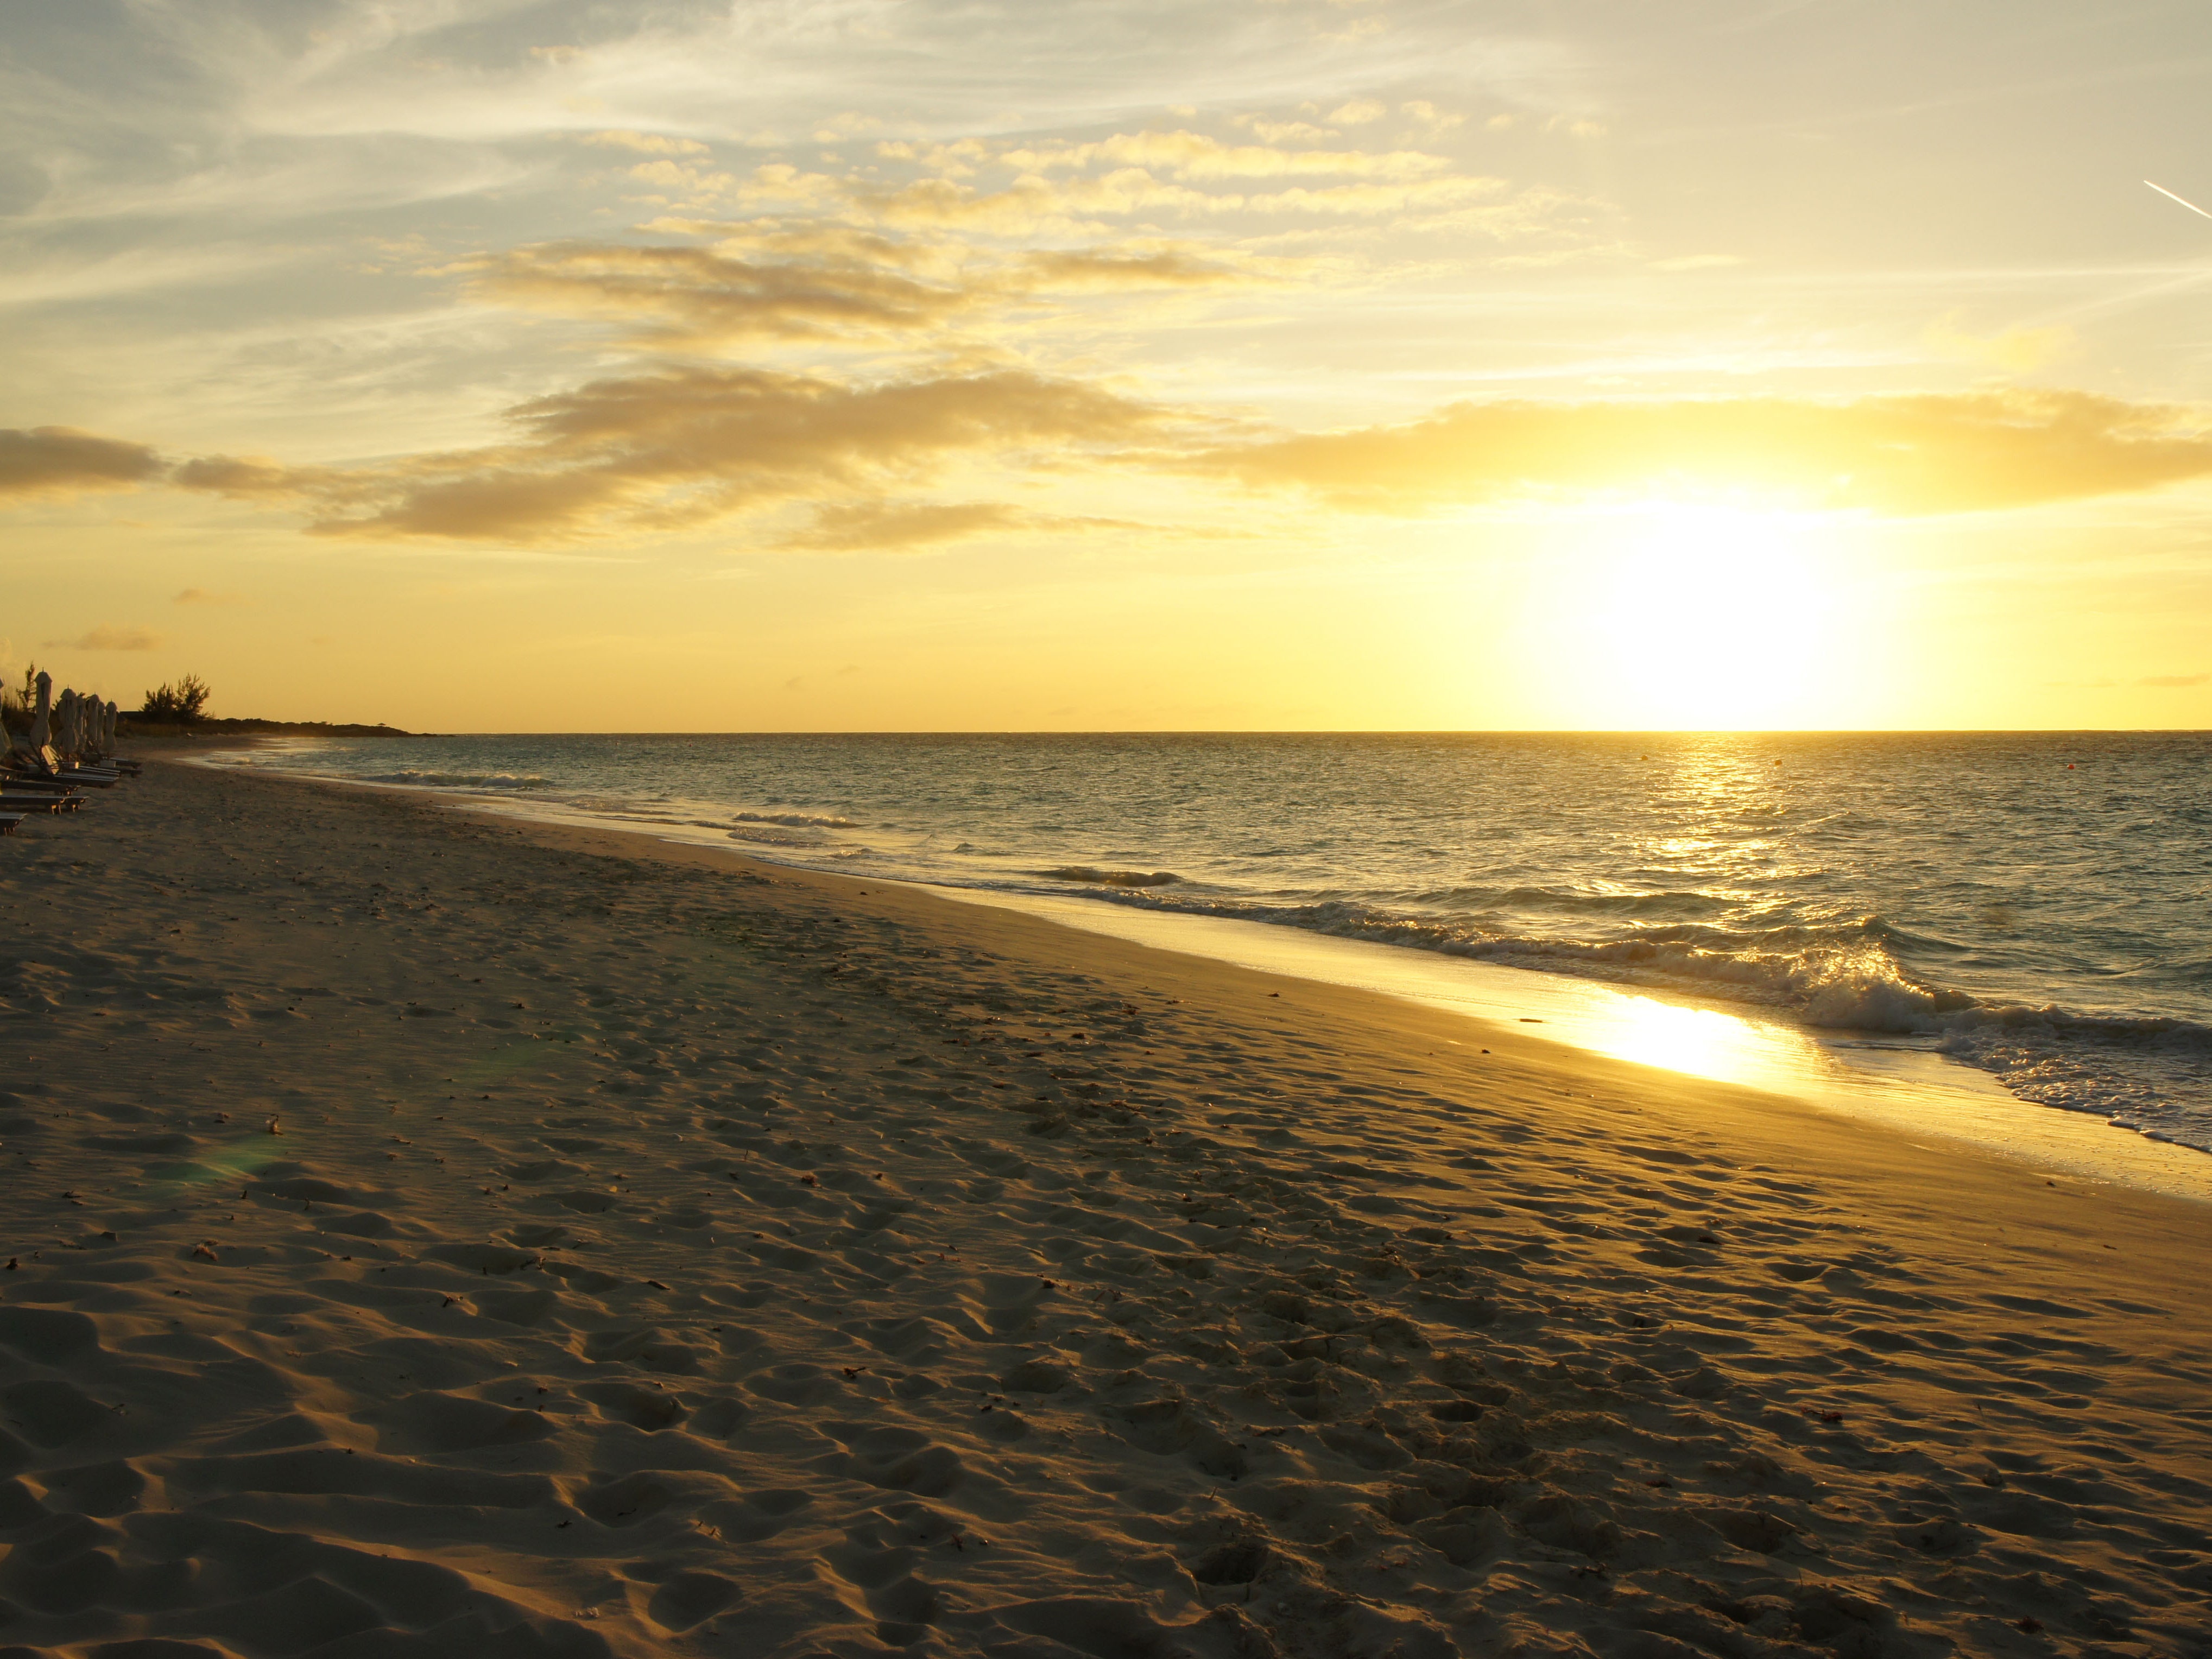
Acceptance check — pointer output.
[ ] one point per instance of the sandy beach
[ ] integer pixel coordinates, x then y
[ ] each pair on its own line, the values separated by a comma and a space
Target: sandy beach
430, 1234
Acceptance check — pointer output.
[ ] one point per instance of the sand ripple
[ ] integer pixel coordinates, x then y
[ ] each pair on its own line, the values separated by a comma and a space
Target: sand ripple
756, 1267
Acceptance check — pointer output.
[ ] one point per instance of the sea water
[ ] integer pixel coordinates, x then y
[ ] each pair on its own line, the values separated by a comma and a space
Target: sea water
2036, 906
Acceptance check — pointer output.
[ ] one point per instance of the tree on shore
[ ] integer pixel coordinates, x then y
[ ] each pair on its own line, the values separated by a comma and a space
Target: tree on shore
17, 702
182, 701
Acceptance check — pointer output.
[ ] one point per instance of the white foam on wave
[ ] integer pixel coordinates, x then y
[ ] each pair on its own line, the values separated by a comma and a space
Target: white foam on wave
794, 820
1758, 903
764, 836
2144, 1072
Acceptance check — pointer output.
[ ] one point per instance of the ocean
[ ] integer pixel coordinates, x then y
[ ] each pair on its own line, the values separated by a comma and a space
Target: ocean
2035, 906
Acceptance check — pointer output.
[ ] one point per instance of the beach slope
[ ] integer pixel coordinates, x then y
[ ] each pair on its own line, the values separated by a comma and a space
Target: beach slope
429, 1234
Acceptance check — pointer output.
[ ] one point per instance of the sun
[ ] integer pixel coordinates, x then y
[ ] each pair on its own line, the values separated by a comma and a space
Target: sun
1674, 616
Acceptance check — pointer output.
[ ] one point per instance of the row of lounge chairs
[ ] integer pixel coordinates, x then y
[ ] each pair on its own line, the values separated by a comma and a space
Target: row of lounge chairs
69, 749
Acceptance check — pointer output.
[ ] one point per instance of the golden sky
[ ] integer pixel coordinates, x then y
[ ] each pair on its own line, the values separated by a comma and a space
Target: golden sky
900, 364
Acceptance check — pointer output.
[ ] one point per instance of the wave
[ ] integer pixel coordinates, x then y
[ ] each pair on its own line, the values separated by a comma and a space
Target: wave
767, 837
1084, 873
414, 780
794, 820
2140, 1072
1870, 897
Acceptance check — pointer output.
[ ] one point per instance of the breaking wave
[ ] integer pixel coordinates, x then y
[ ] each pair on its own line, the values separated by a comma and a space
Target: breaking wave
794, 820
2132, 1069
2030, 905
1084, 873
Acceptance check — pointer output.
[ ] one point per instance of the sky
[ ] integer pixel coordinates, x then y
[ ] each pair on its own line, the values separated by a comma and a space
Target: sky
535, 365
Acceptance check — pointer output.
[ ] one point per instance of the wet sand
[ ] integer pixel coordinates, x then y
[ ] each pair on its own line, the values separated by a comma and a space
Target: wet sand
656, 1252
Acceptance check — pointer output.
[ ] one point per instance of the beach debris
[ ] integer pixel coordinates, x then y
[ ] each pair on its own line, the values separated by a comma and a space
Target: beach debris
204, 1250
656, 1283
274, 1128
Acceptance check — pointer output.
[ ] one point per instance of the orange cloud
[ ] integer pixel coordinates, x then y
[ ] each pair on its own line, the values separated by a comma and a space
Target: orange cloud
1905, 455
57, 460
878, 526
691, 446
867, 526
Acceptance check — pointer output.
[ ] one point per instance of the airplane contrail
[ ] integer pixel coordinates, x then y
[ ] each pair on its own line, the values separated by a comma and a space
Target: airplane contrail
2184, 200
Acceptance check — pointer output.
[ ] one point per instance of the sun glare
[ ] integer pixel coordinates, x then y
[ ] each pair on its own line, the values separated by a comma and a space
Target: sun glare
1674, 616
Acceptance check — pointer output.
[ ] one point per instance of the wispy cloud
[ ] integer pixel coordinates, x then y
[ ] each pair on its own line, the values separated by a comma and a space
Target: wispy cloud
882, 526
2016, 350
648, 144
830, 283
1193, 155
109, 639
697, 295
1912, 455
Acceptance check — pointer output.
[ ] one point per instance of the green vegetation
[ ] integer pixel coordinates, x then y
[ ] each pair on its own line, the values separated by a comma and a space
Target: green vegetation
17, 702
183, 701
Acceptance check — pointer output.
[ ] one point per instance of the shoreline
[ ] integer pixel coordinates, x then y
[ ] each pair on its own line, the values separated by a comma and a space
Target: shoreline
436, 1232
1911, 1090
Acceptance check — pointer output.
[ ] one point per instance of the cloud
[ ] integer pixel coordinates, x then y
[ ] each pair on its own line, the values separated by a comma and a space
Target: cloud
1033, 204
867, 526
1071, 188
57, 460
835, 282
1284, 132
1098, 270
1184, 154
881, 526
649, 143
109, 639
1430, 116
1904, 455
2017, 350
697, 295
2175, 682
689, 446
202, 596
1030, 203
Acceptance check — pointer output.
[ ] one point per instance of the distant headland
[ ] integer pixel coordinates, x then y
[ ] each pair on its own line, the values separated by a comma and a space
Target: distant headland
137, 726
177, 709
